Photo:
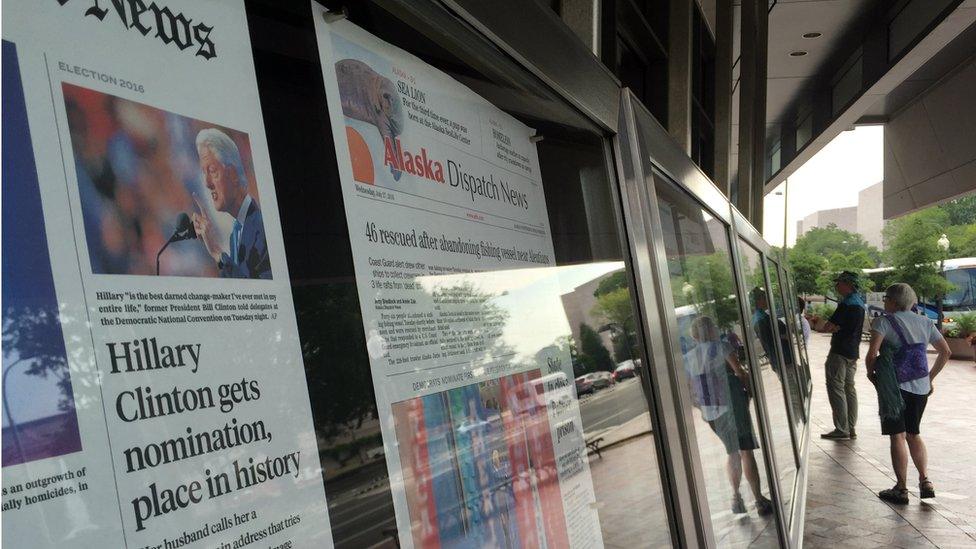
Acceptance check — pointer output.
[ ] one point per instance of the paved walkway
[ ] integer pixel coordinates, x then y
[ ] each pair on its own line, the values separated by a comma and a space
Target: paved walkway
842, 507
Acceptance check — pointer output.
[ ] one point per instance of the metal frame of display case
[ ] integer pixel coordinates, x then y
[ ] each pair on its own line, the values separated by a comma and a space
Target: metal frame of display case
663, 156
800, 440
538, 42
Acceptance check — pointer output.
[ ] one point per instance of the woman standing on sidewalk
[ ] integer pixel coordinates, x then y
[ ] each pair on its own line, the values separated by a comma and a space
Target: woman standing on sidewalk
898, 367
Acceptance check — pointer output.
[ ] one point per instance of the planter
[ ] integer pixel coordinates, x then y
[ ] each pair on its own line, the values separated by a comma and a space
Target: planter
960, 347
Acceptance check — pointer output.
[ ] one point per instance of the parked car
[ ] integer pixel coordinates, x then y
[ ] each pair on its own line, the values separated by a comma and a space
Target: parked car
601, 380
593, 381
624, 370
584, 386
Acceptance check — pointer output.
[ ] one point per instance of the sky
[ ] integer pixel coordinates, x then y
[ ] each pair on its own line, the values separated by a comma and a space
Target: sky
853, 161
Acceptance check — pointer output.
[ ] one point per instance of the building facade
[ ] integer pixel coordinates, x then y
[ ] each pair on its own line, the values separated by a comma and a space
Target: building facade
294, 274
842, 218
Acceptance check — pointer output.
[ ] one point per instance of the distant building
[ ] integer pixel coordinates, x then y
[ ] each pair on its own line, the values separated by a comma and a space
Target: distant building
843, 218
870, 214
865, 219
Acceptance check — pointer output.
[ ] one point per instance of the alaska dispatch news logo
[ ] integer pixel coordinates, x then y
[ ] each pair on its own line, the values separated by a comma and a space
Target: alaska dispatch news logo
400, 160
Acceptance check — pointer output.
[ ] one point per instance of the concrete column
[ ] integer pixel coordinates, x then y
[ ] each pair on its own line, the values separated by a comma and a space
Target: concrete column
759, 113
747, 94
723, 94
679, 72
752, 110
583, 16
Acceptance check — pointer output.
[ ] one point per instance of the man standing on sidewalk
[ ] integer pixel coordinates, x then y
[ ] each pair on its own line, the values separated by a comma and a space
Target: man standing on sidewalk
845, 327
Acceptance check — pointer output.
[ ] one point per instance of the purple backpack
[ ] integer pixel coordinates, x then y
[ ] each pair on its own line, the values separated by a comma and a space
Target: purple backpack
909, 360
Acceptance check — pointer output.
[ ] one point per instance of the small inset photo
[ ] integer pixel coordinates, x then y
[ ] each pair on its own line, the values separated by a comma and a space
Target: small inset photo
164, 194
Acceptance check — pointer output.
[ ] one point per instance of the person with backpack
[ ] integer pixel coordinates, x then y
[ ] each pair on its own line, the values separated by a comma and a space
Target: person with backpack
897, 365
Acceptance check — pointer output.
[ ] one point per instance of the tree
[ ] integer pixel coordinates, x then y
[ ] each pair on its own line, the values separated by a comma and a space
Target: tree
822, 252
713, 288
611, 282
593, 355
616, 309
33, 337
836, 263
806, 268
824, 241
961, 211
913, 253
962, 240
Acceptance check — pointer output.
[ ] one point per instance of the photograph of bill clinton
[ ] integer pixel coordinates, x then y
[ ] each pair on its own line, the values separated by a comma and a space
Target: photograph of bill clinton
245, 255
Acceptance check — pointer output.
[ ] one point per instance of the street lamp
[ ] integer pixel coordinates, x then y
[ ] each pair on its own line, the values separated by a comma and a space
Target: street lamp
943, 244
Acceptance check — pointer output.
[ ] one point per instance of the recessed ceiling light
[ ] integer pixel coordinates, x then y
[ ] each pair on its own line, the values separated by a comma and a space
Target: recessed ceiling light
798, 53
812, 35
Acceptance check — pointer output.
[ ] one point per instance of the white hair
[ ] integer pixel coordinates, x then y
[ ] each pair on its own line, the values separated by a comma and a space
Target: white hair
902, 295
225, 149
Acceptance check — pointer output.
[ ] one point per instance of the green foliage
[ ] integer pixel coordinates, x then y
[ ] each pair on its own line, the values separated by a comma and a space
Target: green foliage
821, 253
829, 240
593, 355
823, 310
611, 282
807, 268
961, 211
913, 253
615, 307
966, 324
962, 240
708, 285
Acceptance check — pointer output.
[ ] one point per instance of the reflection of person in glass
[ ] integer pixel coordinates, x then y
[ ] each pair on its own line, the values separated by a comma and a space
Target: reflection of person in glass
223, 172
720, 391
762, 323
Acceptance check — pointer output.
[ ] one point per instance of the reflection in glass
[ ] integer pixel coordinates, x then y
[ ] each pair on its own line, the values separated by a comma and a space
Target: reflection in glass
713, 359
770, 371
801, 339
784, 320
487, 478
40, 420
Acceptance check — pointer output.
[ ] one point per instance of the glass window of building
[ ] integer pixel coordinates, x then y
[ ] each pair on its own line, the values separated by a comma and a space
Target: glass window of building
794, 314
715, 365
779, 312
770, 372
491, 479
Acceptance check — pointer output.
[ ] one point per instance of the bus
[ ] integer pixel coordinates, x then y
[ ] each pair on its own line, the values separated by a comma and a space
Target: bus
961, 272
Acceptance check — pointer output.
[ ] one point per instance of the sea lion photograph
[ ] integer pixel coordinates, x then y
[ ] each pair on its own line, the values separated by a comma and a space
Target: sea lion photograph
369, 97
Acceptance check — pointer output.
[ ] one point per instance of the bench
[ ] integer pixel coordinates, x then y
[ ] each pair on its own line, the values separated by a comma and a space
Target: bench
594, 445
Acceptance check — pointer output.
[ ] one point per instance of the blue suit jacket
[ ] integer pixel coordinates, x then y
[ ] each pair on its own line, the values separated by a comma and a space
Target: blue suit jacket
252, 249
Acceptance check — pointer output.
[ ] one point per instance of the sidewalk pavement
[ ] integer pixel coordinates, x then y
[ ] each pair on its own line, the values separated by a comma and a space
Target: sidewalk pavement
843, 510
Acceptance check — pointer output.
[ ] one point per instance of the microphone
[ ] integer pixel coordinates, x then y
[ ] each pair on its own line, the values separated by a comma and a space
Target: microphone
184, 231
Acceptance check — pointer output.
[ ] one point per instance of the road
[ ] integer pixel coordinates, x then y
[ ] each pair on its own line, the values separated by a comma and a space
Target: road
611, 407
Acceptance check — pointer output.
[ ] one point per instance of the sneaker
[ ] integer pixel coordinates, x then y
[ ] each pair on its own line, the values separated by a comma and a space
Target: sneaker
764, 506
853, 435
836, 434
925, 489
738, 506
895, 495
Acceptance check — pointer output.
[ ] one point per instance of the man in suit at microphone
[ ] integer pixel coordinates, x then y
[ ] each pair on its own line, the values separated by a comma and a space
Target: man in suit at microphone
223, 172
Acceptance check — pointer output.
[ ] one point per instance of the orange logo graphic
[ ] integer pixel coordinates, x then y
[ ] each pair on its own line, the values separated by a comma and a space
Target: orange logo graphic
362, 161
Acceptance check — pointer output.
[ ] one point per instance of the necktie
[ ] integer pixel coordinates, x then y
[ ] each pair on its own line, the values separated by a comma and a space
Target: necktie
235, 240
